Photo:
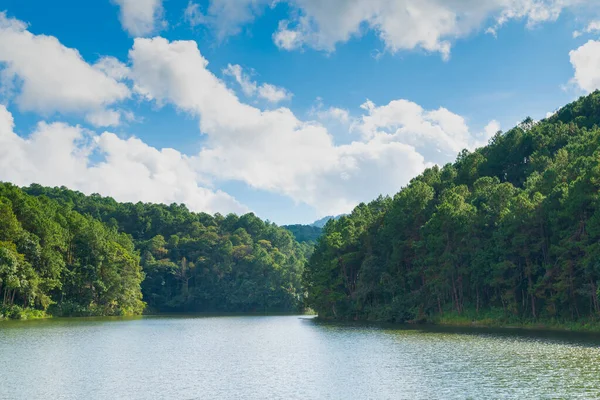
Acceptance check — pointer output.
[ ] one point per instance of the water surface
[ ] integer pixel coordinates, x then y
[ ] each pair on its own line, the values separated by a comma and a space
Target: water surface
288, 357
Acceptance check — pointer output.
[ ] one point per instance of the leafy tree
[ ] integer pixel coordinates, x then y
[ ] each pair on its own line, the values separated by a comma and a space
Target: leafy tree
511, 230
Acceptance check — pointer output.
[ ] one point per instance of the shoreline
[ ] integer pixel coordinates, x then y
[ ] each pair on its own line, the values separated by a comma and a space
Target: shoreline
47, 317
591, 327
442, 322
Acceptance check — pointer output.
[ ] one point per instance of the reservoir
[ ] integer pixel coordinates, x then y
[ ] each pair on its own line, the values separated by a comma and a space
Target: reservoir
288, 357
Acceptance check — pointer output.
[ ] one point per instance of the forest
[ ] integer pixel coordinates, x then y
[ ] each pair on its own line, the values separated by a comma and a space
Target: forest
66, 254
305, 233
508, 232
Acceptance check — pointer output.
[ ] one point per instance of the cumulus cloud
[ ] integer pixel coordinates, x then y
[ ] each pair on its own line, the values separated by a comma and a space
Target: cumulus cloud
437, 134
112, 67
141, 17
276, 151
430, 25
129, 170
53, 78
266, 91
586, 62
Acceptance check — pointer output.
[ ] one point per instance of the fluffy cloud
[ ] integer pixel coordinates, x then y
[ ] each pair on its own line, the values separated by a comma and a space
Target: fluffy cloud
141, 17
586, 62
53, 78
430, 25
274, 150
112, 67
266, 91
437, 134
58, 154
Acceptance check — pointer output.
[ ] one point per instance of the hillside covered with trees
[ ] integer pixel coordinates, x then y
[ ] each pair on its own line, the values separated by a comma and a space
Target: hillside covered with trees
509, 232
65, 253
305, 233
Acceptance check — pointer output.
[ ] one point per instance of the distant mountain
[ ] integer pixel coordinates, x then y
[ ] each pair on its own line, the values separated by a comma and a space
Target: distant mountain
321, 223
310, 233
304, 233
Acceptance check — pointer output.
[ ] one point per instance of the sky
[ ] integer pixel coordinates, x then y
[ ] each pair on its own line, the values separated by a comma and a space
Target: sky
291, 109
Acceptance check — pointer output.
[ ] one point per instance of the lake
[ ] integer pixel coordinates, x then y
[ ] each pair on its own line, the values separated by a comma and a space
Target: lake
288, 357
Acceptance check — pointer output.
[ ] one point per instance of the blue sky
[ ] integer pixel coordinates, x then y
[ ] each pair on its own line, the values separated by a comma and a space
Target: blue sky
293, 110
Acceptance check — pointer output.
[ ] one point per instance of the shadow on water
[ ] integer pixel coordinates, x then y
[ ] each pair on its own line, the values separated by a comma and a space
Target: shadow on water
590, 339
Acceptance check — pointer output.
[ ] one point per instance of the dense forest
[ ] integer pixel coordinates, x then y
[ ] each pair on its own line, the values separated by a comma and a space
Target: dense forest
64, 253
305, 233
510, 231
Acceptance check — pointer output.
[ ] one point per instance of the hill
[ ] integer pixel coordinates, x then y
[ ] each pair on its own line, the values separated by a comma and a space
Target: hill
323, 221
65, 253
509, 232
305, 233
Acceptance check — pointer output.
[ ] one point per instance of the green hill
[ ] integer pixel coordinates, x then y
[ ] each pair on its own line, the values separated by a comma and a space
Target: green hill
305, 233
509, 232
65, 253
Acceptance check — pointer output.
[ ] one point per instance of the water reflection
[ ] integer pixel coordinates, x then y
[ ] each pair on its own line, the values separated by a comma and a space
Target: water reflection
262, 357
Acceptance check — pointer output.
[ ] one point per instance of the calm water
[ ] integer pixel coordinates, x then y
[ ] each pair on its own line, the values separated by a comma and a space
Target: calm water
287, 357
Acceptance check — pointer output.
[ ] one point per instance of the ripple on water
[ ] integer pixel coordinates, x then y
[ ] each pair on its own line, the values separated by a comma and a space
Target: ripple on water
287, 357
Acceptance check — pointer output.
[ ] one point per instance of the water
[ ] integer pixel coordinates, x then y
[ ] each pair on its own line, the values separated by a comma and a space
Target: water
287, 357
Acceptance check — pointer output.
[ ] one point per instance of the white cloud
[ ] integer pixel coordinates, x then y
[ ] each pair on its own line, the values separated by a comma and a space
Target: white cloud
193, 15
430, 25
337, 114
482, 139
592, 27
266, 91
586, 62
226, 17
437, 134
112, 67
141, 17
58, 154
248, 86
287, 39
330, 114
273, 93
53, 78
104, 118
275, 151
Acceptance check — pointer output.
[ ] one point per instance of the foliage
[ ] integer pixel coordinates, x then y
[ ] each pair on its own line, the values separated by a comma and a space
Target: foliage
511, 229
305, 233
69, 254
53, 258
195, 261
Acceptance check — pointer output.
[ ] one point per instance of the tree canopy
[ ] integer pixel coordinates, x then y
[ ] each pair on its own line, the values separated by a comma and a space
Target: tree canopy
511, 229
65, 253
